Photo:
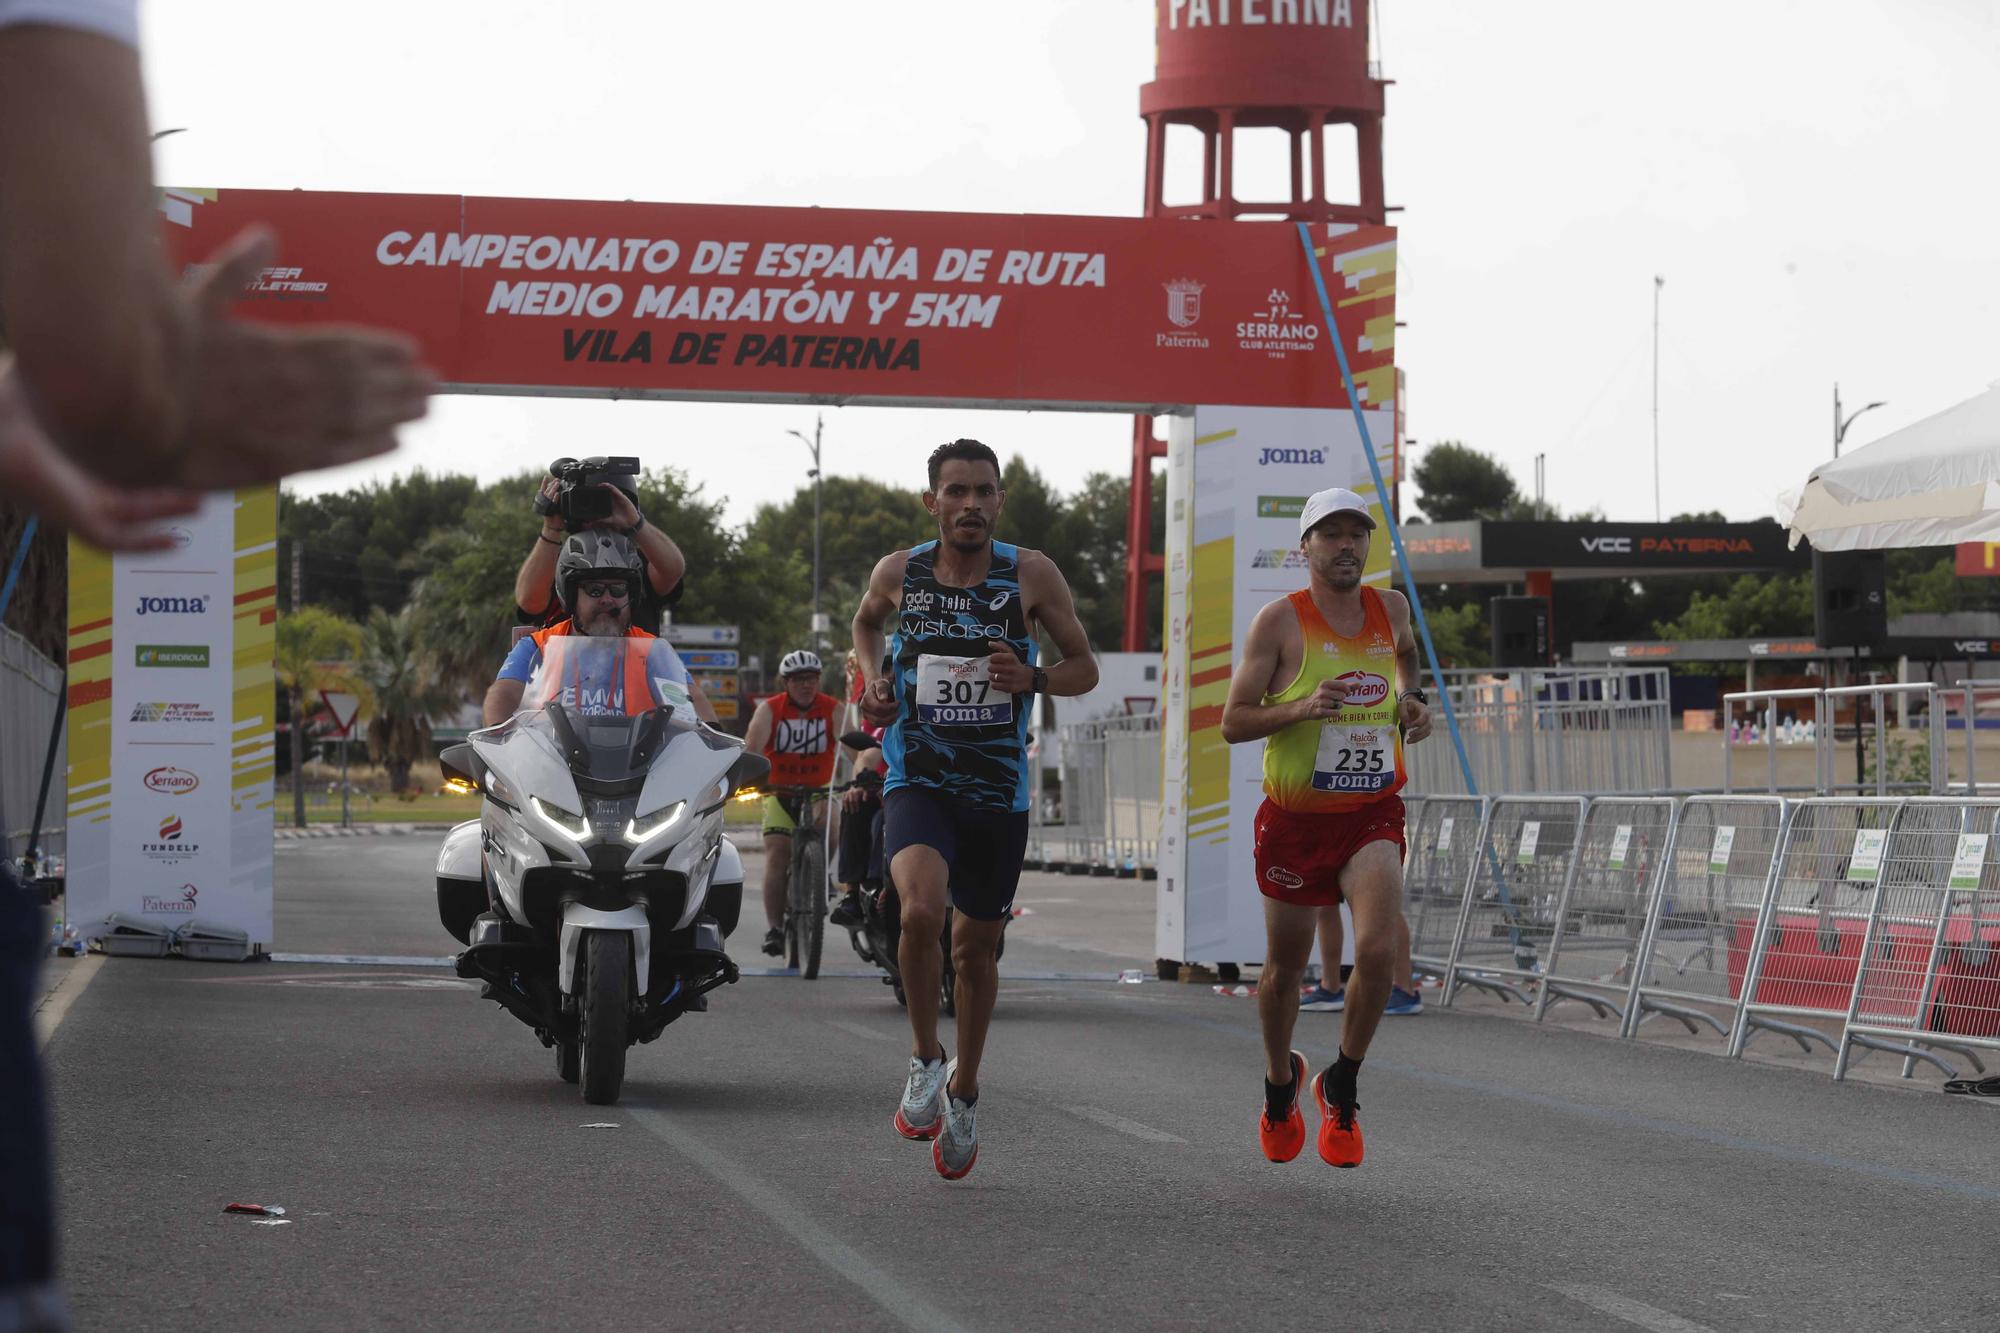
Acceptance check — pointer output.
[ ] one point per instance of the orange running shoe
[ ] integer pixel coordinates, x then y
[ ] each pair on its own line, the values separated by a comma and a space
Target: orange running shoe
1339, 1130
1282, 1139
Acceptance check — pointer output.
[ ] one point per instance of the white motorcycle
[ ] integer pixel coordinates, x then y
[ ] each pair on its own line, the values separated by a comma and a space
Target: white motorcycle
595, 889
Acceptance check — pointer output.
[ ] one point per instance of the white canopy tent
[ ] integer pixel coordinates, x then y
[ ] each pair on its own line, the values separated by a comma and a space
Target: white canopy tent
1934, 483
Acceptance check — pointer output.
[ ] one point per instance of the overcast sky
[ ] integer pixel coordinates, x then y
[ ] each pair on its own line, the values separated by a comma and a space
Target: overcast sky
1813, 178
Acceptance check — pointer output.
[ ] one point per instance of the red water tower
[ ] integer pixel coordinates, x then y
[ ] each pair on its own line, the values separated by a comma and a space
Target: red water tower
1228, 65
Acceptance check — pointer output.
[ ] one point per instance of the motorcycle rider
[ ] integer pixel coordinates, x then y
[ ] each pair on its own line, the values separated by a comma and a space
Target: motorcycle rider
597, 577
795, 730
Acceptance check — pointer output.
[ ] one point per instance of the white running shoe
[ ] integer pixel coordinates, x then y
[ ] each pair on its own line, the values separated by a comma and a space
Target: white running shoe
922, 1107
956, 1148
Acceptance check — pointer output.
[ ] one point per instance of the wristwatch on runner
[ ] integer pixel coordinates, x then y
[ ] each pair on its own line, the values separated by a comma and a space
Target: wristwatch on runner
1039, 683
1418, 695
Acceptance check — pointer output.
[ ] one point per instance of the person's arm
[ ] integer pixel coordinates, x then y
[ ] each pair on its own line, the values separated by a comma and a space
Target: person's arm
131, 374
110, 517
885, 592
1245, 715
1049, 604
703, 709
534, 586
503, 696
757, 736
1414, 714
665, 565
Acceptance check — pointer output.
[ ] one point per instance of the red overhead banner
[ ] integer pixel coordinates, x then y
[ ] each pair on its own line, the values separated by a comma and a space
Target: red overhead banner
1977, 560
836, 305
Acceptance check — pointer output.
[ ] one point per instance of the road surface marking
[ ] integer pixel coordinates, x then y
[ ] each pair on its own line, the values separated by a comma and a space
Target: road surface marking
362, 959
49, 1013
1606, 1301
1124, 1126
858, 1030
903, 1305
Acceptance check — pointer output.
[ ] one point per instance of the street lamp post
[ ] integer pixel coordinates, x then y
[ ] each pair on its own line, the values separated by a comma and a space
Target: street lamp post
1839, 425
819, 423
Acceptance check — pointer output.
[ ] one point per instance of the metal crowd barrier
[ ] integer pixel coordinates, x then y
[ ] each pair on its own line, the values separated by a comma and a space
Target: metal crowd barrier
1444, 835
1873, 918
1111, 800
1594, 954
1520, 881
1928, 970
1771, 710
1717, 873
1602, 729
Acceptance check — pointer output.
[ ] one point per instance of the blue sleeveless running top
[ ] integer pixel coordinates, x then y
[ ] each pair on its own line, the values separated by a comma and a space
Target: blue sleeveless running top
954, 732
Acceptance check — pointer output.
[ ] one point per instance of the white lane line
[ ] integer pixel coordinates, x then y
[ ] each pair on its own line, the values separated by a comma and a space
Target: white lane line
858, 1030
903, 1305
1124, 1126
1606, 1301
363, 959
49, 1013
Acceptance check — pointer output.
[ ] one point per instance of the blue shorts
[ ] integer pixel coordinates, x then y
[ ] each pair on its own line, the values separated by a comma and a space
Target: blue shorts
982, 848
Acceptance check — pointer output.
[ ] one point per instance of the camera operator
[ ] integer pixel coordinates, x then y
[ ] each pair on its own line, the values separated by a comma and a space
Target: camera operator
564, 510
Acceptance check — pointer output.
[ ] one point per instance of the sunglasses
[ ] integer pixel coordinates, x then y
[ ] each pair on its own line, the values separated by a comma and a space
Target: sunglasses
617, 592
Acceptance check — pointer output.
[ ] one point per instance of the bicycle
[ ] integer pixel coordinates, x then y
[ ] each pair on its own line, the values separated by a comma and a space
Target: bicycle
806, 886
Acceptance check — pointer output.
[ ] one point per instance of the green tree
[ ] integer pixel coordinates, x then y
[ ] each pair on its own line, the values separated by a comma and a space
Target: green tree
1753, 606
316, 650
410, 697
1459, 482
360, 549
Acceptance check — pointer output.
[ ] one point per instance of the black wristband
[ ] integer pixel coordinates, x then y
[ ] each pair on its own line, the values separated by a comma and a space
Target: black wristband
633, 531
1039, 682
544, 535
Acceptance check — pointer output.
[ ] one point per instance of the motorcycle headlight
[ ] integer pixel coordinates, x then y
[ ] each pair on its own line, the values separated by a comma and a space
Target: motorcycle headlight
573, 824
638, 830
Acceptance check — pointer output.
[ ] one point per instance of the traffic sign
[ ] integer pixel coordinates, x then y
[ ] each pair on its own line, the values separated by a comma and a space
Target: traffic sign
723, 635
710, 659
715, 683
724, 708
344, 707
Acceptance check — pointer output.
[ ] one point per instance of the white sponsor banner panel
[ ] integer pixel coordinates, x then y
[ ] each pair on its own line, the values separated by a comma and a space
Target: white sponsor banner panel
164, 826
1234, 493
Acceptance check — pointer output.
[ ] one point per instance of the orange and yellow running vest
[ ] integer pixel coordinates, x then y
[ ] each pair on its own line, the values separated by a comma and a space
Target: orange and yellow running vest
1354, 758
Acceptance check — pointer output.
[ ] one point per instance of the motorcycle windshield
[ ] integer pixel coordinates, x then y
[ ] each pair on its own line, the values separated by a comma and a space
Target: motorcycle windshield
610, 707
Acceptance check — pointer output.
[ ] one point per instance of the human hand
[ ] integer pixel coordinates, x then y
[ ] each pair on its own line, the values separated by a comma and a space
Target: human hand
1415, 717
1008, 673
878, 702
546, 497
1325, 700
260, 401
112, 518
624, 514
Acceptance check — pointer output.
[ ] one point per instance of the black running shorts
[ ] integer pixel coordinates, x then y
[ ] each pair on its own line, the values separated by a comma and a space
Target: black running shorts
983, 848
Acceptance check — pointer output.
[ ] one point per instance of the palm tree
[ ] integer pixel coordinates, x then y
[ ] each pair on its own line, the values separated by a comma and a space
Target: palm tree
410, 693
316, 650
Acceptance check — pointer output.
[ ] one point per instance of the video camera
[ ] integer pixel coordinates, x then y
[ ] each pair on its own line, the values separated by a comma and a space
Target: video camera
579, 500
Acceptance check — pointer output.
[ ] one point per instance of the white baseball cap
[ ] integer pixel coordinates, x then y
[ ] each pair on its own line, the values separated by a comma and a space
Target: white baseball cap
1333, 500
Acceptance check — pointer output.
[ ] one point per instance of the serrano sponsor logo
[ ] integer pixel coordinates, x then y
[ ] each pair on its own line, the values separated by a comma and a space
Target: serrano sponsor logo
171, 781
1284, 878
180, 536
171, 655
1364, 687
1276, 330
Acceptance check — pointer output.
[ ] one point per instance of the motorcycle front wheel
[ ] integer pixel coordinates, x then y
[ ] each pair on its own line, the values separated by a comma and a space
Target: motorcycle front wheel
606, 1011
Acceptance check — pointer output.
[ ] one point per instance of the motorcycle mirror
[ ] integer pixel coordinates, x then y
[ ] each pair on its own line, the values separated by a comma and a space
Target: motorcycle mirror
859, 740
749, 770
459, 764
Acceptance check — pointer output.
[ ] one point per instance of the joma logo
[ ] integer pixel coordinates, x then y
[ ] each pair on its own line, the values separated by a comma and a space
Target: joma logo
1314, 456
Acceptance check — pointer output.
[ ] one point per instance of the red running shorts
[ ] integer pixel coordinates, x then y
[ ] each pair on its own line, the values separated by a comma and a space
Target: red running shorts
1300, 857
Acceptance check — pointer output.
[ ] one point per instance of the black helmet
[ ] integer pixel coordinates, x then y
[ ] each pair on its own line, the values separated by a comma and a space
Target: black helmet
596, 554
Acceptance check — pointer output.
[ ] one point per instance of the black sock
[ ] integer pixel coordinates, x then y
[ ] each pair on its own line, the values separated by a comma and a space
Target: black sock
1278, 1097
1340, 1078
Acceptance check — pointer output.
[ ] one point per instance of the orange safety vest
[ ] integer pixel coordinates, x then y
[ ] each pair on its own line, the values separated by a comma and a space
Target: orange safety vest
801, 746
638, 683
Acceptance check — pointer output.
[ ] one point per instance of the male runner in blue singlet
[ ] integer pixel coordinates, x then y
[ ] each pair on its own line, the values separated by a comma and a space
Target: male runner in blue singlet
958, 698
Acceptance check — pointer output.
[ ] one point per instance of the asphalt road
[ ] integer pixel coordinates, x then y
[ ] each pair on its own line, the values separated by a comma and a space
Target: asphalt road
437, 1174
